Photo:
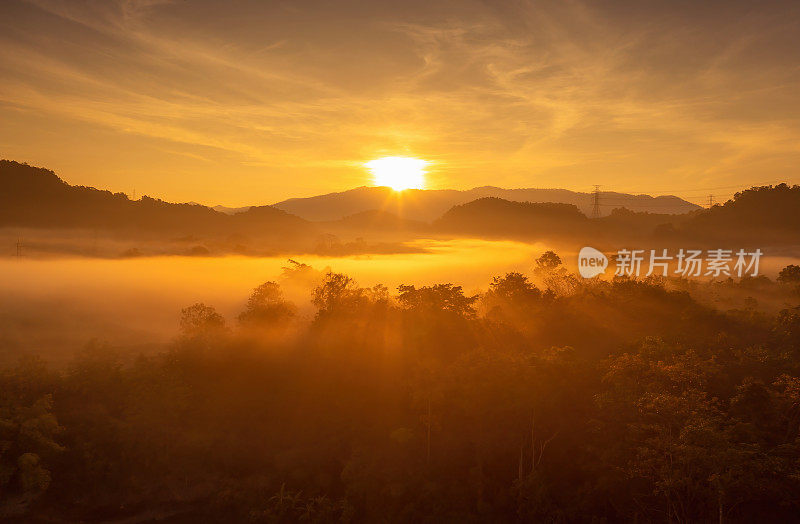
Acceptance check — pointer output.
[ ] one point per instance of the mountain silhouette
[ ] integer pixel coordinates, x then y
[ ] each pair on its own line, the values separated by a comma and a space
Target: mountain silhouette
764, 213
231, 210
428, 205
495, 217
38, 198
33, 197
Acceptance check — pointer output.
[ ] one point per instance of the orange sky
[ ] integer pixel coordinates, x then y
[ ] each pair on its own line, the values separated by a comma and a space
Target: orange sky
254, 102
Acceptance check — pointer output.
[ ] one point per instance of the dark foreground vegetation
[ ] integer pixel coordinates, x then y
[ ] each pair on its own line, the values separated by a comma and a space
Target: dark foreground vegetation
563, 402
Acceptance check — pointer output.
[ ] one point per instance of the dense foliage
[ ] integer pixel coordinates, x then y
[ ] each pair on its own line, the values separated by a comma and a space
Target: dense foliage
568, 401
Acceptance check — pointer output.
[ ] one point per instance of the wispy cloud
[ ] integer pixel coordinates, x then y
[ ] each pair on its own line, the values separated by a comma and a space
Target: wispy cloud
546, 93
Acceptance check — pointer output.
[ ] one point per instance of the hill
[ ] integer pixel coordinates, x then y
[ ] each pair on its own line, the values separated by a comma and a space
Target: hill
495, 217
231, 210
764, 213
427, 205
37, 198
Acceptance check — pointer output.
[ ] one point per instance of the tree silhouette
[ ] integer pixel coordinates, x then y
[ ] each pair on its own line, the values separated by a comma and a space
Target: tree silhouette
790, 274
437, 298
266, 309
548, 261
201, 321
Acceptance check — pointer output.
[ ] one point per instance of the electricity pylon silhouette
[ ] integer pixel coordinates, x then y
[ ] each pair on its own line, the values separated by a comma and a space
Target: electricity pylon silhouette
596, 202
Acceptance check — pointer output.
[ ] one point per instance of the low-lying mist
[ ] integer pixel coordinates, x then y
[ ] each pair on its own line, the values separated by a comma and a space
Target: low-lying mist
54, 306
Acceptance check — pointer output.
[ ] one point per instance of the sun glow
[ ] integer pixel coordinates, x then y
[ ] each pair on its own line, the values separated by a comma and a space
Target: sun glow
398, 172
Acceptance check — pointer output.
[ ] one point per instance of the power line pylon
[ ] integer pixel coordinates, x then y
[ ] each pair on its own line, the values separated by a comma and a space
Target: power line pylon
596, 202
20, 245
710, 201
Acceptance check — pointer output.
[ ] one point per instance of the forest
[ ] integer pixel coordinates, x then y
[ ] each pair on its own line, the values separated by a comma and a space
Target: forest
545, 398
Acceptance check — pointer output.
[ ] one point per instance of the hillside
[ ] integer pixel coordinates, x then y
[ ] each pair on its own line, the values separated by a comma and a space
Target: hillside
765, 213
428, 205
495, 217
37, 198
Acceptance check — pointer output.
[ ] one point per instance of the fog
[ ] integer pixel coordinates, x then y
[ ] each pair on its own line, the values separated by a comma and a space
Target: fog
54, 306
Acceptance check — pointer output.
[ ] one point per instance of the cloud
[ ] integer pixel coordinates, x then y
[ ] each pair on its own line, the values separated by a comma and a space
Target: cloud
546, 93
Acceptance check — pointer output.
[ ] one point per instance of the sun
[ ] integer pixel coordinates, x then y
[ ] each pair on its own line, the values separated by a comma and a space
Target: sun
398, 172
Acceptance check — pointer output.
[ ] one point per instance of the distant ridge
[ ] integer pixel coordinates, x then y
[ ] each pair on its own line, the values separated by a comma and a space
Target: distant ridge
36, 197
765, 214
231, 210
223, 209
428, 205
32, 197
492, 216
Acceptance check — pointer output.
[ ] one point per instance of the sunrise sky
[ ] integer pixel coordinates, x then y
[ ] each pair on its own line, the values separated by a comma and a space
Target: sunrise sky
253, 102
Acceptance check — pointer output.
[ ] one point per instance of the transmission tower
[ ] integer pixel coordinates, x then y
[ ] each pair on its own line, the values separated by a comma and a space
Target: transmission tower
20, 245
596, 202
710, 201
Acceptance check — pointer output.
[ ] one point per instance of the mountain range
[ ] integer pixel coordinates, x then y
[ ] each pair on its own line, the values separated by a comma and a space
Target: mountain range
36, 198
427, 205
